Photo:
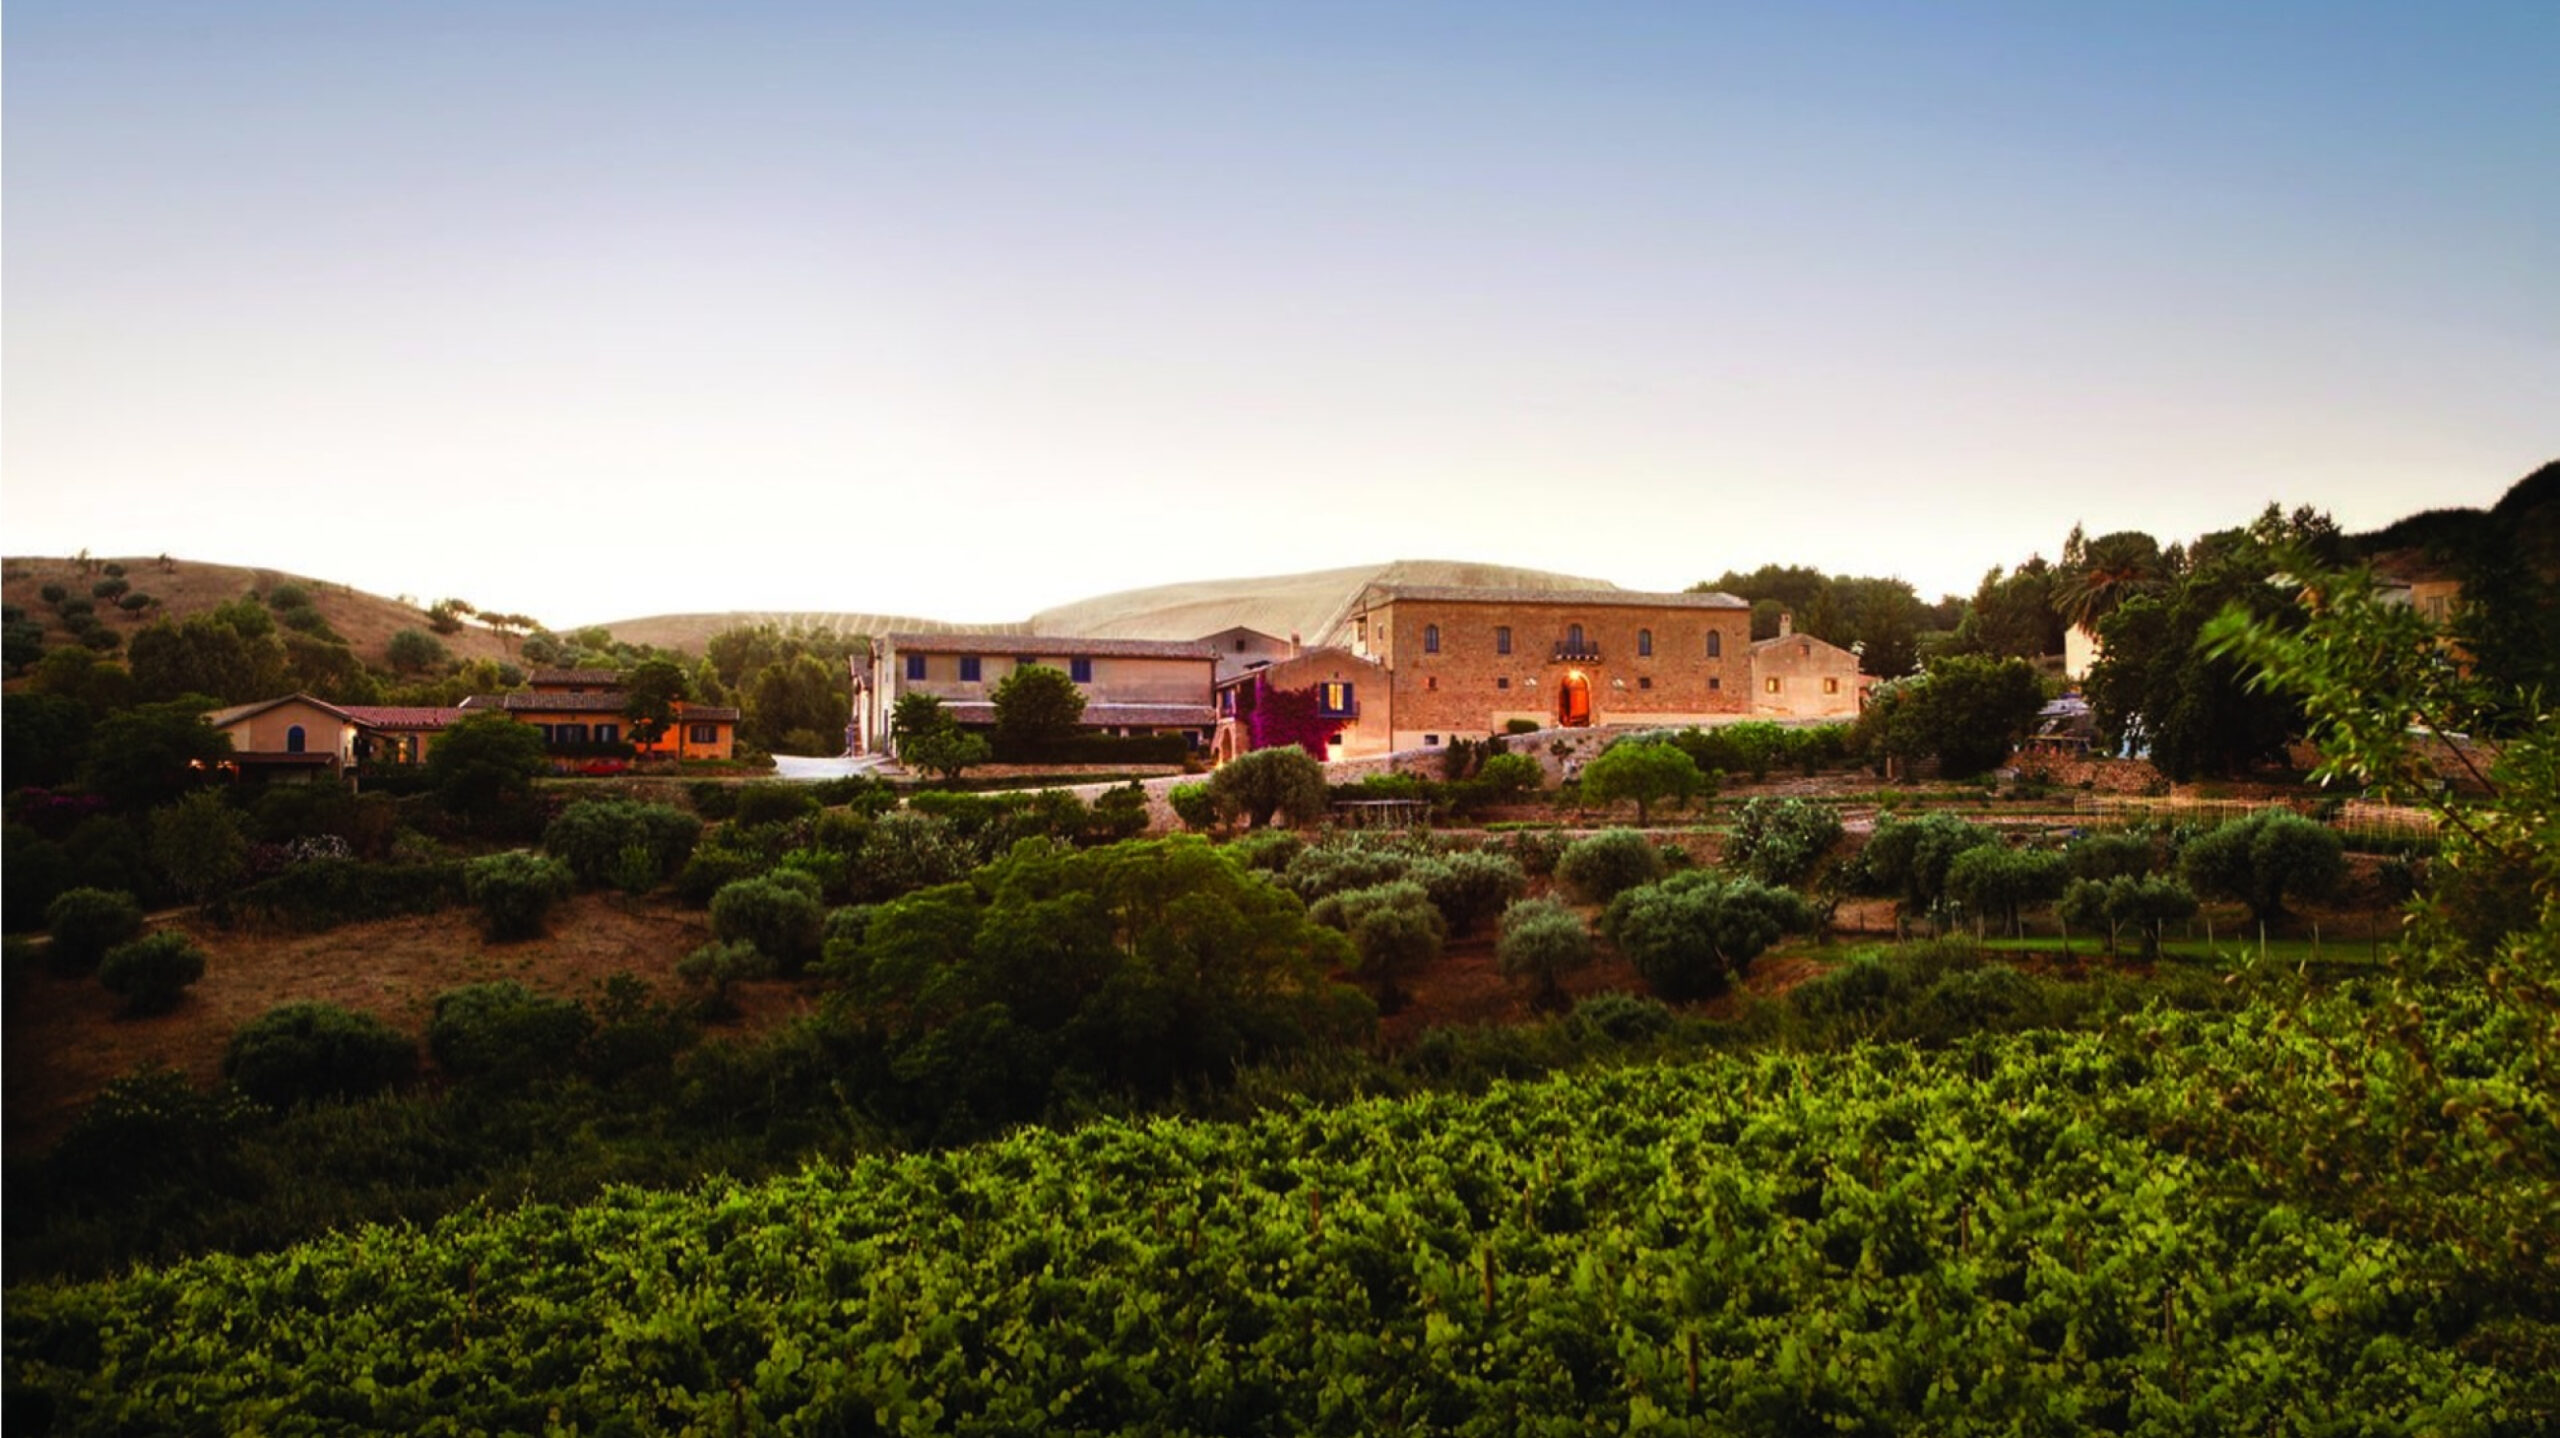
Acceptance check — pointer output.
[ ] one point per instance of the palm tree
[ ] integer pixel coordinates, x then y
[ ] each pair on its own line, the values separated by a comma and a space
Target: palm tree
2098, 575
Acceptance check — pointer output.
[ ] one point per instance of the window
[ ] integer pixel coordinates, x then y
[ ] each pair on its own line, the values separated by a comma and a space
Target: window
1333, 699
1431, 639
1573, 637
1239, 646
1502, 683
1714, 682
915, 666
1644, 644
1080, 669
1645, 682
1431, 740
969, 669
608, 733
1502, 639
293, 740
1830, 686
567, 735
703, 733
1772, 684
1715, 644
1430, 681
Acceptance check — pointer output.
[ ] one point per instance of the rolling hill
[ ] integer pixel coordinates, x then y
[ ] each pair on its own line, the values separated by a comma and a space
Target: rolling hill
188, 586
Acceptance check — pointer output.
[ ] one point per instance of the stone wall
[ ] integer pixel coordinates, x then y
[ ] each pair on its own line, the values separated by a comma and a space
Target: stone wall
1640, 664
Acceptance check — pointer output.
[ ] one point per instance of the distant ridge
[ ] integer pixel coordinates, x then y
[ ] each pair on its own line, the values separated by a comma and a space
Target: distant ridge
1315, 606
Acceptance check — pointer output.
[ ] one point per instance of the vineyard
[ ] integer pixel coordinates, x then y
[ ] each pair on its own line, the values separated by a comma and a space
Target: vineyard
2022, 1234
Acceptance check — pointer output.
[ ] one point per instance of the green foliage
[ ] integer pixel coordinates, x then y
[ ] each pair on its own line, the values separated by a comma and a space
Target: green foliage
1519, 726
325, 893
1469, 886
414, 651
1316, 870
773, 804
305, 1053
1779, 841
516, 891
1607, 864
2262, 859
85, 923
485, 763
906, 851
1193, 805
780, 915
197, 842
714, 967
505, 1035
1036, 706
1542, 941
153, 972
1394, 930
651, 691
595, 838
145, 756
1998, 882
1511, 776
1282, 781
947, 752
1692, 934
1968, 711
2145, 904
2108, 856
1119, 812
230, 654
1909, 858
1883, 616
1271, 852
803, 696
1645, 771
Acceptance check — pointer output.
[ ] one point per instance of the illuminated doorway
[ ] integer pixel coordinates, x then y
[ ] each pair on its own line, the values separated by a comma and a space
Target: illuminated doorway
1573, 700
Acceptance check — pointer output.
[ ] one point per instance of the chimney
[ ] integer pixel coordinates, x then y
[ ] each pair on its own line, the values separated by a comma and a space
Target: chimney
1293, 644
1786, 623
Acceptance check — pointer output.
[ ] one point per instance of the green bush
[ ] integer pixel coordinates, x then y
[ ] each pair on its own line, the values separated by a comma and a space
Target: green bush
1908, 858
1778, 841
1509, 776
325, 893
1519, 726
1645, 771
2146, 904
592, 837
1342, 864
1393, 929
907, 851
1119, 813
772, 804
713, 799
714, 867
1692, 934
1999, 883
1193, 805
86, 923
1607, 864
1537, 850
1271, 852
2107, 856
2264, 859
1542, 941
1282, 782
152, 972
1469, 886
516, 891
782, 915
505, 1034
1623, 1018
715, 966
305, 1053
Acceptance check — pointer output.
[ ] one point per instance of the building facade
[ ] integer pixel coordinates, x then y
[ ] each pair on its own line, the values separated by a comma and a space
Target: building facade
1796, 676
1130, 686
1331, 702
1465, 663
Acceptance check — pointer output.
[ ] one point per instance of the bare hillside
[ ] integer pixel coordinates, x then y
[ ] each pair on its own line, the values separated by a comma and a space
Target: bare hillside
689, 632
187, 586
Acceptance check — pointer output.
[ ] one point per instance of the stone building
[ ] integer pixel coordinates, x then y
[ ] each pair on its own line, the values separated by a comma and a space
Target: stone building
1464, 663
1796, 676
1332, 696
1131, 686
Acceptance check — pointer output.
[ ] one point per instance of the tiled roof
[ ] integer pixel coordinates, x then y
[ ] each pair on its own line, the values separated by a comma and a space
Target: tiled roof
543, 678
706, 714
238, 712
1378, 594
1053, 646
403, 716
1799, 637
564, 703
1099, 716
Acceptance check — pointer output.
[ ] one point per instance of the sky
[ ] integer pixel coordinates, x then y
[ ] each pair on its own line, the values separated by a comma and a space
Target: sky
961, 310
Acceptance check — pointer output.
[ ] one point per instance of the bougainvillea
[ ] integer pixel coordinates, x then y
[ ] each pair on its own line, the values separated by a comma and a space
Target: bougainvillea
1287, 716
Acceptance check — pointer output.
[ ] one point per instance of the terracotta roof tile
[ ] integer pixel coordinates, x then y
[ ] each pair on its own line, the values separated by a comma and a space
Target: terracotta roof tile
563, 703
545, 677
403, 716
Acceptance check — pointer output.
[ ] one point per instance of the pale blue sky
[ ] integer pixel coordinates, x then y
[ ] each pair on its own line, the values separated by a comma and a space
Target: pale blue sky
594, 310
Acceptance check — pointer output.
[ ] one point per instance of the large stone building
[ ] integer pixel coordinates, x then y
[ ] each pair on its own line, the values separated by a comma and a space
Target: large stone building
1464, 663
1330, 702
1131, 686
1796, 676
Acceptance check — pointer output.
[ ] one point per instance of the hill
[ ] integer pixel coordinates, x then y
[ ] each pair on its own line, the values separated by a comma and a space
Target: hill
2439, 543
1313, 605
188, 586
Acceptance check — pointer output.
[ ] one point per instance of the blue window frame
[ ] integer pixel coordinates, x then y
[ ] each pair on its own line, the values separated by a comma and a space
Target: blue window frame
1431, 639
293, 740
1502, 639
969, 669
1333, 700
915, 666
1080, 669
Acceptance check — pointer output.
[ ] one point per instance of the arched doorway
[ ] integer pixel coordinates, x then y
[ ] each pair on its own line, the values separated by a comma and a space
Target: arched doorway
1573, 700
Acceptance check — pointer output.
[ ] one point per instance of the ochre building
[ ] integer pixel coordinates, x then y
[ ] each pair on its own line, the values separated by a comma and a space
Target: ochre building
1464, 663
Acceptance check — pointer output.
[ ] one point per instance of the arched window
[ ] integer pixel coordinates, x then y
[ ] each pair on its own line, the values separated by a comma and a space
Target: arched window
1644, 643
293, 740
1431, 639
1715, 644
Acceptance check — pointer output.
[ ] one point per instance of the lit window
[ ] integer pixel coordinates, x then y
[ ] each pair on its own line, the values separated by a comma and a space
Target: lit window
1830, 686
1431, 639
969, 669
915, 666
1772, 685
1715, 644
1080, 670
1502, 639
1644, 644
1333, 699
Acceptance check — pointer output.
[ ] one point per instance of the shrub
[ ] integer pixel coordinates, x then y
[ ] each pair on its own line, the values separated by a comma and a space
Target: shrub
907, 851
1508, 776
136, 602
1537, 850
1607, 864
54, 593
1469, 886
1519, 726
1690, 935
149, 1131
325, 893
713, 799
1647, 772
1542, 941
1281, 782
715, 966
1119, 813
1998, 882
1271, 853
2107, 856
2145, 904
1344, 864
782, 915
2262, 859
86, 923
1778, 841
304, 1053
109, 588
1908, 858
1623, 1018
505, 1034
592, 837
152, 972
772, 804
1193, 805
714, 867
1393, 928
515, 892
